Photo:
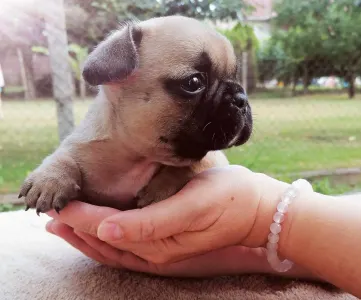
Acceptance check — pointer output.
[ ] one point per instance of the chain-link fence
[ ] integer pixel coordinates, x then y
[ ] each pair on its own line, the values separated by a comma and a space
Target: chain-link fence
307, 108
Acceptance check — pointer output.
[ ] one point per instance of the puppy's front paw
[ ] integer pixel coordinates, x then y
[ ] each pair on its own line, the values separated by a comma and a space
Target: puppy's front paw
45, 191
163, 185
153, 193
145, 197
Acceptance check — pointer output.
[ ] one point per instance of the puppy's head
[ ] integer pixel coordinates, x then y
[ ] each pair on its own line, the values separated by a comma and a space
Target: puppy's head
173, 84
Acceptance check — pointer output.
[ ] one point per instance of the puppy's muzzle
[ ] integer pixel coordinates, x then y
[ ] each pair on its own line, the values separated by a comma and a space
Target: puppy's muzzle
235, 94
240, 100
223, 120
232, 116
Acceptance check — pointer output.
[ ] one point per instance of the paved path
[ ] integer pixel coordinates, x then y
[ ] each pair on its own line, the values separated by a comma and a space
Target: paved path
11, 199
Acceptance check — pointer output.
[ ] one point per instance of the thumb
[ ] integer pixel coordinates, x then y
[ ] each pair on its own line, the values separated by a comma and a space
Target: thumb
160, 220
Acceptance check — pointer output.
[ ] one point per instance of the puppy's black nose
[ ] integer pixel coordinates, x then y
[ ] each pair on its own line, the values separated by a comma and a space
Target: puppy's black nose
240, 99
236, 94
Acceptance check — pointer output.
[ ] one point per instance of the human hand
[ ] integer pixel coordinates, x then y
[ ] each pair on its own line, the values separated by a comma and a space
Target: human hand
218, 208
84, 218
227, 261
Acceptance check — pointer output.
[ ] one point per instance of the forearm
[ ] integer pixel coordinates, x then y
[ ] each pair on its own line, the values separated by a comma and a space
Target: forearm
322, 234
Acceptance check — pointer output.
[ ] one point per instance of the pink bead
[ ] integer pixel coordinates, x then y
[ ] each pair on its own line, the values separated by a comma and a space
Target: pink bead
275, 228
302, 184
273, 238
278, 217
286, 198
273, 260
284, 266
272, 251
282, 207
272, 246
291, 193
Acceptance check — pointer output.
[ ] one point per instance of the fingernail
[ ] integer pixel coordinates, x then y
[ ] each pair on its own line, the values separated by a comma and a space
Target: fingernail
52, 214
49, 226
109, 232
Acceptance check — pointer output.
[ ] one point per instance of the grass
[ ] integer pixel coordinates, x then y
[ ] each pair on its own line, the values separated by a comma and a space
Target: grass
301, 134
10, 207
324, 186
27, 134
291, 135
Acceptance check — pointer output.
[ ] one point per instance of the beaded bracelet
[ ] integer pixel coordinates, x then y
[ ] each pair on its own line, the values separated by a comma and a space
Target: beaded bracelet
290, 195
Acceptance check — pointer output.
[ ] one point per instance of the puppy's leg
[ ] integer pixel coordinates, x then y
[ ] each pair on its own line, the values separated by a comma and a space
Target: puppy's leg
53, 184
167, 182
170, 180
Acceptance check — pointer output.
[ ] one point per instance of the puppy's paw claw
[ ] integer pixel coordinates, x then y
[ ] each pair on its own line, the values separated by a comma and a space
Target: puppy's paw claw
45, 192
77, 188
25, 188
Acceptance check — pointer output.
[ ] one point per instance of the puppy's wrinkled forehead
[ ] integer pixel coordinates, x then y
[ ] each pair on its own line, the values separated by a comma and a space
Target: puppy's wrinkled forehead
180, 44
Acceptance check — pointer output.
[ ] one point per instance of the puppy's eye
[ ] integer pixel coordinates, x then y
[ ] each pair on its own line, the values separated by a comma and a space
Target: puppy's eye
194, 84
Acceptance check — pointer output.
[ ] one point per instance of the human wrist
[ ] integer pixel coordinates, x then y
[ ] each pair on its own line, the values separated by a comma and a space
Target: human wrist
271, 191
278, 205
301, 213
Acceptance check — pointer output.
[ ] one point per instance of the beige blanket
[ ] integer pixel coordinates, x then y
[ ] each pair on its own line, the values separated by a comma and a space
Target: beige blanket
36, 265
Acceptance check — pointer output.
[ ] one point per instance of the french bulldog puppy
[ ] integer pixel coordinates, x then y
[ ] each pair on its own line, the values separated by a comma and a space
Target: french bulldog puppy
169, 100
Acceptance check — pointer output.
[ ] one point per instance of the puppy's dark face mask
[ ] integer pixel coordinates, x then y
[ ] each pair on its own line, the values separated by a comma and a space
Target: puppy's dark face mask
173, 82
218, 114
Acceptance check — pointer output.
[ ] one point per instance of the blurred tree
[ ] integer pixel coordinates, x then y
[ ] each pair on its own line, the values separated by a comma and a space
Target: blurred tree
320, 38
271, 59
243, 39
89, 21
62, 79
77, 57
200, 9
342, 39
20, 28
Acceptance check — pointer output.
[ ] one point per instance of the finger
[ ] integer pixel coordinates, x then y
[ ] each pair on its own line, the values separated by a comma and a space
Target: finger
49, 226
66, 233
202, 265
193, 208
121, 258
83, 216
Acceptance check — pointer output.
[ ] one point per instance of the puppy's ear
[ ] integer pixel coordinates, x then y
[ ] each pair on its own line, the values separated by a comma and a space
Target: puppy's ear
115, 58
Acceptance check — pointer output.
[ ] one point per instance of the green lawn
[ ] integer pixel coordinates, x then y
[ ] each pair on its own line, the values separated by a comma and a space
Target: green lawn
291, 135
300, 134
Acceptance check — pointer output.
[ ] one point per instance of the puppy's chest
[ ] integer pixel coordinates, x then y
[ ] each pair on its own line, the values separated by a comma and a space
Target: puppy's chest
117, 188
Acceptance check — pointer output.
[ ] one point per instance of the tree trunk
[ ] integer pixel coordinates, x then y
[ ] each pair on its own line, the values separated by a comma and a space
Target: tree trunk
252, 75
294, 84
60, 67
82, 84
29, 69
74, 86
244, 70
305, 79
82, 87
24, 81
351, 87
1, 108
